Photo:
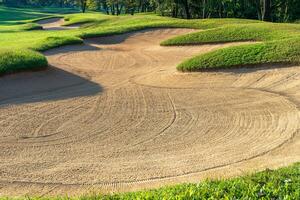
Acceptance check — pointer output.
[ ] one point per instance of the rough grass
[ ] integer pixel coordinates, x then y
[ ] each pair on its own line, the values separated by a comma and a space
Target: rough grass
19, 60
282, 183
280, 43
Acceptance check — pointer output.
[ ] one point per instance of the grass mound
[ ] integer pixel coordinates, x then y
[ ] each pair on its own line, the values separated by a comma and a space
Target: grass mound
19, 60
282, 51
280, 44
79, 19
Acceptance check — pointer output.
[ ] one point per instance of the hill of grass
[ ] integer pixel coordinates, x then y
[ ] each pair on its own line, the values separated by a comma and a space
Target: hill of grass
279, 44
20, 60
271, 52
275, 38
26, 36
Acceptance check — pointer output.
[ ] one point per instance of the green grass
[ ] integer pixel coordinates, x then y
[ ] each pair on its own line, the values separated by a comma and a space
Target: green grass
235, 33
282, 51
19, 60
279, 44
86, 18
55, 41
282, 184
21, 27
25, 36
12, 16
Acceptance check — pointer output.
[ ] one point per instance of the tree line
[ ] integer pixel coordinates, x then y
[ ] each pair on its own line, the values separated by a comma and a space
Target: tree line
266, 10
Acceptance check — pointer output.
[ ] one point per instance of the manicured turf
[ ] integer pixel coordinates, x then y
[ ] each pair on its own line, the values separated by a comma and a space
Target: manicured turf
19, 60
21, 27
281, 51
19, 36
283, 184
280, 44
273, 36
11, 15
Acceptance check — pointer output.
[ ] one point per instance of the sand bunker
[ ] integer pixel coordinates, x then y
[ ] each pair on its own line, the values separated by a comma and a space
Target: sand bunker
55, 24
115, 115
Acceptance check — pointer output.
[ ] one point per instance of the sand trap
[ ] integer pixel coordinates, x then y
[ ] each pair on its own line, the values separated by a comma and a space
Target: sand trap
55, 24
115, 115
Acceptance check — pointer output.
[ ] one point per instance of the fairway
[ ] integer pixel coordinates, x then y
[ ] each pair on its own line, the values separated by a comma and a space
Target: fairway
114, 114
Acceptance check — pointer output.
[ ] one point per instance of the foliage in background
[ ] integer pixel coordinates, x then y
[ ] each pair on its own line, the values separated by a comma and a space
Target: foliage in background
267, 10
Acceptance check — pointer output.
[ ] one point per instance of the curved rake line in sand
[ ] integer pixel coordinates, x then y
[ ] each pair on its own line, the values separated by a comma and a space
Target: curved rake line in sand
132, 115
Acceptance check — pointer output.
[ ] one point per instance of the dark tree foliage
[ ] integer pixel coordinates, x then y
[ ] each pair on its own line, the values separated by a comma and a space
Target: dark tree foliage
267, 10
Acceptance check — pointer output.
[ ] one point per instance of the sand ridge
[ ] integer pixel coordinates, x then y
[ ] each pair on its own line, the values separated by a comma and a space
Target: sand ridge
115, 115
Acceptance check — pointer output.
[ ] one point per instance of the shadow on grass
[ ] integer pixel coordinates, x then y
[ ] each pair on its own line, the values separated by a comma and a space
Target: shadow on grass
47, 85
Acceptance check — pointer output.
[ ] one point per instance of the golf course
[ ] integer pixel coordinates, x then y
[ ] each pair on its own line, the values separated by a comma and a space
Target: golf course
145, 106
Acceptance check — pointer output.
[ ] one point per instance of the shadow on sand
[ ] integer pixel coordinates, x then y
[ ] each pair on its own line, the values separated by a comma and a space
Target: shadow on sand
250, 68
46, 85
118, 38
71, 49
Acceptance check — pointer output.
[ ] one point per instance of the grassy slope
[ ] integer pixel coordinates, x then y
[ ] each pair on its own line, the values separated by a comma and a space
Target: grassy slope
283, 183
18, 28
19, 60
15, 53
281, 51
280, 44
277, 37
17, 37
